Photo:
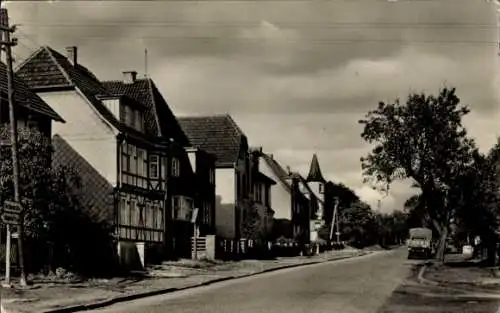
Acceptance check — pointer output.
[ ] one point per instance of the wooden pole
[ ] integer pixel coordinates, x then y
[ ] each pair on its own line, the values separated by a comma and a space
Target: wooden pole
13, 137
7, 227
333, 218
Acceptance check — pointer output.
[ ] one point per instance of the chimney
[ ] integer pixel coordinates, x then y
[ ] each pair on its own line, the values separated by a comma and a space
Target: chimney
72, 54
288, 169
129, 77
271, 156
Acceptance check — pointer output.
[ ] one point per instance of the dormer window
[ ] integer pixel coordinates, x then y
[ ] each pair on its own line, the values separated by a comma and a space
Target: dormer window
132, 117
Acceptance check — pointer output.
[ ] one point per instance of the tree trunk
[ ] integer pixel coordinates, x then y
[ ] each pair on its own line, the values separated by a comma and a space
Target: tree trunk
441, 250
490, 245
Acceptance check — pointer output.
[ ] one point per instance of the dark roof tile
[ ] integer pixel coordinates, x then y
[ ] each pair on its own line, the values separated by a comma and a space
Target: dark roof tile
59, 67
218, 135
24, 96
315, 171
145, 92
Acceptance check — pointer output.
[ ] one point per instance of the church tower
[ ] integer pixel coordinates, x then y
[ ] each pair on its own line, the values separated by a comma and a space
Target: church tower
316, 182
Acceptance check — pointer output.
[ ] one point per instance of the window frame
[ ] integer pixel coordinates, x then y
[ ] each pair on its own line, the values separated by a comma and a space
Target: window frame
152, 163
176, 167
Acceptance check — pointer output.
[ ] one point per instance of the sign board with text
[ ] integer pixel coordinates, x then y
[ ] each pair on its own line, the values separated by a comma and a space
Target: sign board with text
12, 207
11, 218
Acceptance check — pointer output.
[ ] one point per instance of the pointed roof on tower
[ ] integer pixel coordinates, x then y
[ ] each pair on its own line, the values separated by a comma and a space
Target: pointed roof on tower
315, 172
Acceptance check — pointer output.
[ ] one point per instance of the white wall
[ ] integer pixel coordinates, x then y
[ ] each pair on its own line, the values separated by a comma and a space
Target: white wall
315, 187
281, 200
225, 190
84, 131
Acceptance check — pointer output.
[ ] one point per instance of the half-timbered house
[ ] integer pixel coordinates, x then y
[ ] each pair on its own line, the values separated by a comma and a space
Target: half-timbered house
126, 132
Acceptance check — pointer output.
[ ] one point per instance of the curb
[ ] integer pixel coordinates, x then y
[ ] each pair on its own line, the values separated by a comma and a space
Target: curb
423, 280
130, 297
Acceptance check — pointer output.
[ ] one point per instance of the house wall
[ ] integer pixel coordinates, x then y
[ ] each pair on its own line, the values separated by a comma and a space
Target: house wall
84, 131
281, 200
205, 173
225, 187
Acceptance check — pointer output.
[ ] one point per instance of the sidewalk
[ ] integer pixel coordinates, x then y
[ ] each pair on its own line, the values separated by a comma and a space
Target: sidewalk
71, 296
462, 274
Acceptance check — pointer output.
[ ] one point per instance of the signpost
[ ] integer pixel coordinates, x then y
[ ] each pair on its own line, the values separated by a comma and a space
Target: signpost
11, 216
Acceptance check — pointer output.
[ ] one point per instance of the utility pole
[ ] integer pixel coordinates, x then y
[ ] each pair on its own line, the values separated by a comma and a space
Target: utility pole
8, 43
334, 218
7, 241
338, 229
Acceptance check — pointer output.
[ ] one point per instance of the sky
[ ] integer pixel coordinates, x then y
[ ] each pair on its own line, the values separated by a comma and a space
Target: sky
295, 75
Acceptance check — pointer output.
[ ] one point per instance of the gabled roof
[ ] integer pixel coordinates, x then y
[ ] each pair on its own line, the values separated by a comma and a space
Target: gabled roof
304, 182
24, 97
145, 92
314, 171
265, 179
47, 70
217, 134
278, 170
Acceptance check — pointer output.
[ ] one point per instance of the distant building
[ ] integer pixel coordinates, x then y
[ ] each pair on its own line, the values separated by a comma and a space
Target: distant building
316, 183
221, 136
289, 200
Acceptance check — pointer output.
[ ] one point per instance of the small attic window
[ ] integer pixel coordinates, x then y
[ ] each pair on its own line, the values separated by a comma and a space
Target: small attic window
132, 117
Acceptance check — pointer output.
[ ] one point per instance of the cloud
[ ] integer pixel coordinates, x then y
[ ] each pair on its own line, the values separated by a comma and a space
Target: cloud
297, 76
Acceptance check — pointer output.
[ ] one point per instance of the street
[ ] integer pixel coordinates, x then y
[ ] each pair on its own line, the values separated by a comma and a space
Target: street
358, 285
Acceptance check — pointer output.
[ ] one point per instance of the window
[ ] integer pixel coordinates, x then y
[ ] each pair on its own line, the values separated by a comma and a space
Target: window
164, 168
159, 216
321, 188
133, 159
128, 118
187, 208
148, 216
141, 168
126, 212
153, 167
257, 194
125, 159
176, 167
134, 213
139, 121
123, 218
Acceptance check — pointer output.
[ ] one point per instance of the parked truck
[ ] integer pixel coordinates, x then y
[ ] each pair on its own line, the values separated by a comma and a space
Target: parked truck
420, 243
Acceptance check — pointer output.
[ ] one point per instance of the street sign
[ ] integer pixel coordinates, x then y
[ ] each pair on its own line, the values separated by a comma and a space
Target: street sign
11, 218
13, 207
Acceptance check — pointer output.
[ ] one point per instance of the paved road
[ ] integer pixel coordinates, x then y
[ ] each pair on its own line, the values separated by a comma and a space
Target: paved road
358, 285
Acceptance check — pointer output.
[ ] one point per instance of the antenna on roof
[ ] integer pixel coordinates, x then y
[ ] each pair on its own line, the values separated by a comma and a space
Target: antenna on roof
145, 62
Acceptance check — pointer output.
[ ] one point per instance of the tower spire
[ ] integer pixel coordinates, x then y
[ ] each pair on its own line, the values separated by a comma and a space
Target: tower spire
315, 174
